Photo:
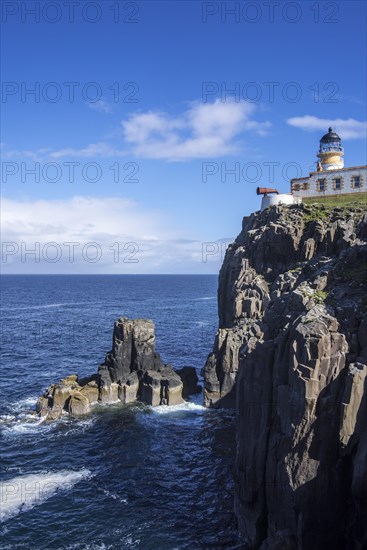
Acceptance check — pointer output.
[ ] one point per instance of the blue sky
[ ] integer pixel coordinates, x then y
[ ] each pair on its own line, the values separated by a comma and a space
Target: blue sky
149, 96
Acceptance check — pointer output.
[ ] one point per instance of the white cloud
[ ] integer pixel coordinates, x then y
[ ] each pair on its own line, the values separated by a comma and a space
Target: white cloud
101, 105
101, 150
346, 128
37, 155
204, 130
143, 235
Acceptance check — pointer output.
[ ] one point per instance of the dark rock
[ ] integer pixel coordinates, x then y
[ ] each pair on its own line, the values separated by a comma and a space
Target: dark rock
172, 386
132, 370
190, 381
162, 388
133, 349
290, 355
362, 333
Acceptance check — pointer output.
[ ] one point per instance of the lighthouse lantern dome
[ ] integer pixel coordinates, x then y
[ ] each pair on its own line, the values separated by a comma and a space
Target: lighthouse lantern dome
330, 137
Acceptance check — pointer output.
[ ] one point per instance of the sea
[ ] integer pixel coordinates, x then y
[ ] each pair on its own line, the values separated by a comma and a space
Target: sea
125, 476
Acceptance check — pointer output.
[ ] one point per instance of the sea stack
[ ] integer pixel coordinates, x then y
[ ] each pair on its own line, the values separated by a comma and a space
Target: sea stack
132, 371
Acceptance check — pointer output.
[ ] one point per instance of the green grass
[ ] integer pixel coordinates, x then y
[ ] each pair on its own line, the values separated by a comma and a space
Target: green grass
320, 296
352, 200
319, 208
318, 212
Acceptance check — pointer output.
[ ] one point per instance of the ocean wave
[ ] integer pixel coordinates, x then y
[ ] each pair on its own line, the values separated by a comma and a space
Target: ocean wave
44, 306
26, 403
25, 425
188, 406
22, 493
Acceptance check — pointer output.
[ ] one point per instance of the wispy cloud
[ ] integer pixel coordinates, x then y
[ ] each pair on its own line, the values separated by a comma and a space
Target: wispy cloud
93, 150
202, 131
22, 154
101, 105
347, 128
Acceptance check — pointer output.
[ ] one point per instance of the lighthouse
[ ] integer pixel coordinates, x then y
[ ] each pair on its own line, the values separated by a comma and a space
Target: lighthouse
331, 178
330, 152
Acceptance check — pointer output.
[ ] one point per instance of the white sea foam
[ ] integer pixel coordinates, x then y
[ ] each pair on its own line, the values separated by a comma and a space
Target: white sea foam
83, 546
6, 418
114, 496
21, 420
27, 425
31, 425
187, 406
24, 492
24, 404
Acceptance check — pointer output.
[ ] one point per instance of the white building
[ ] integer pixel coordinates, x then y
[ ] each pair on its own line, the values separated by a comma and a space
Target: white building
331, 178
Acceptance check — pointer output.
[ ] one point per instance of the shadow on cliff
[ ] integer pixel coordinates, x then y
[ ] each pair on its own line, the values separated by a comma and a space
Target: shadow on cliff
228, 401
336, 518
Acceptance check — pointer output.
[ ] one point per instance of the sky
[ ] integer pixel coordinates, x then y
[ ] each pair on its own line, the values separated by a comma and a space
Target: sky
134, 134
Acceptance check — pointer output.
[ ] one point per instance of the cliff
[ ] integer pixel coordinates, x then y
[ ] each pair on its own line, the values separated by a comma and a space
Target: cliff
291, 356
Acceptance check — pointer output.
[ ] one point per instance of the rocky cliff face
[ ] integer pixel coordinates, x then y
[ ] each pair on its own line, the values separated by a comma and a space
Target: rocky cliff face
291, 356
132, 371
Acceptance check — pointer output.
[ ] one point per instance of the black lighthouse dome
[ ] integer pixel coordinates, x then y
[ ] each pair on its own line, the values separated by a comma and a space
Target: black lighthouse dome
330, 137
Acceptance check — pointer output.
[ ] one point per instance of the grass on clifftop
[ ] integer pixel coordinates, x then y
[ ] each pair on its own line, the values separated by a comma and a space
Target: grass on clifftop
342, 201
319, 208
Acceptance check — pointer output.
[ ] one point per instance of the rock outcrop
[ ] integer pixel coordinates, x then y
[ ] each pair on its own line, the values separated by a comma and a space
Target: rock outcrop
132, 371
291, 357
190, 381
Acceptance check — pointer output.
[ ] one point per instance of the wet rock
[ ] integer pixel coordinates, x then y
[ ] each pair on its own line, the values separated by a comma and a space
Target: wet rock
172, 386
109, 393
190, 381
152, 388
62, 392
129, 391
162, 388
90, 390
78, 404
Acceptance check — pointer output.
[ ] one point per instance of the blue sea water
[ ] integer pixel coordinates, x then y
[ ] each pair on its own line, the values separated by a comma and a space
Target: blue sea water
125, 477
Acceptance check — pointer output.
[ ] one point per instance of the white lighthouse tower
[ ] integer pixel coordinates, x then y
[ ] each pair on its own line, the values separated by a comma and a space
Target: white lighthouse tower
330, 152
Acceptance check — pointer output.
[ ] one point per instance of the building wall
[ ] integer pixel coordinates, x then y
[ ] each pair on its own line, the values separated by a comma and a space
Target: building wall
313, 186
